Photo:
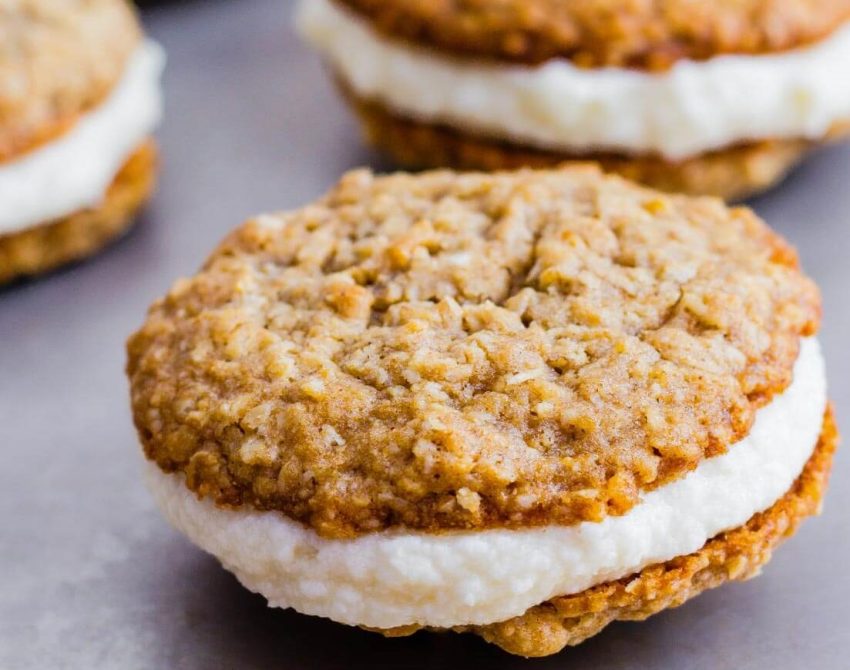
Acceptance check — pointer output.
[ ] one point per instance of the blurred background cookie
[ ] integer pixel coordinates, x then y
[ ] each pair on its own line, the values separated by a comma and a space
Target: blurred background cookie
519, 404
707, 98
79, 99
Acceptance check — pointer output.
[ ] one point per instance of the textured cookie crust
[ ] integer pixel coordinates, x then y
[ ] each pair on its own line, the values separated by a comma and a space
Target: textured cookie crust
453, 350
734, 555
646, 34
58, 59
46, 247
732, 174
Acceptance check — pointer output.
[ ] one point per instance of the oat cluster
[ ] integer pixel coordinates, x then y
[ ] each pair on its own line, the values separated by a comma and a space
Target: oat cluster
645, 34
58, 59
448, 351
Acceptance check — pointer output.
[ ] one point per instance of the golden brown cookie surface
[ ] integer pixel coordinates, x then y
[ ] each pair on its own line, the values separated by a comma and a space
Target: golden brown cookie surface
468, 350
58, 59
732, 173
45, 247
648, 34
734, 555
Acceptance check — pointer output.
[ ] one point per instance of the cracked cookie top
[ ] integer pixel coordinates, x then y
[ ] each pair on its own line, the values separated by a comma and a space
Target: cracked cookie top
453, 351
644, 34
58, 59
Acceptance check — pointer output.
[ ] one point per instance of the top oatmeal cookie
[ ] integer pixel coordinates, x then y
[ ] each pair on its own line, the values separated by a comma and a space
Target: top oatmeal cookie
58, 59
449, 350
648, 34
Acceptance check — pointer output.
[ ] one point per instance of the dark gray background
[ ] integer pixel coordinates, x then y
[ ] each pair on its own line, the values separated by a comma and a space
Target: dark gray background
91, 577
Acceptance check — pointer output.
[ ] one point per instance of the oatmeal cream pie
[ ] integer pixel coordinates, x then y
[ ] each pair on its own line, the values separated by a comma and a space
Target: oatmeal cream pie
719, 98
520, 404
79, 98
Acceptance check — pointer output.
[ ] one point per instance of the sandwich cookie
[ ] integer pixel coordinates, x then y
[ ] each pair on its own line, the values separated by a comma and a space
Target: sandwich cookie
702, 98
79, 98
519, 404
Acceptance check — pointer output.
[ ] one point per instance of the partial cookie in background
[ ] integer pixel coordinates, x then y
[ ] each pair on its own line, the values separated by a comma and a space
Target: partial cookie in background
522, 404
79, 101
712, 98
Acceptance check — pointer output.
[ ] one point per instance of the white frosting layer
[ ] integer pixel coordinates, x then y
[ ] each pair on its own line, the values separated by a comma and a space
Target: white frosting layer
74, 171
692, 108
396, 578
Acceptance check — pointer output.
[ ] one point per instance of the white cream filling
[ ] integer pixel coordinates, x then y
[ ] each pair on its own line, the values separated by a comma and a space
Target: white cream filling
396, 578
692, 108
74, 171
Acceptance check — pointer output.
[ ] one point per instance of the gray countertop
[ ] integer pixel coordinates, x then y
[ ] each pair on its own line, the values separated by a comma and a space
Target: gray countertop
91, 577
